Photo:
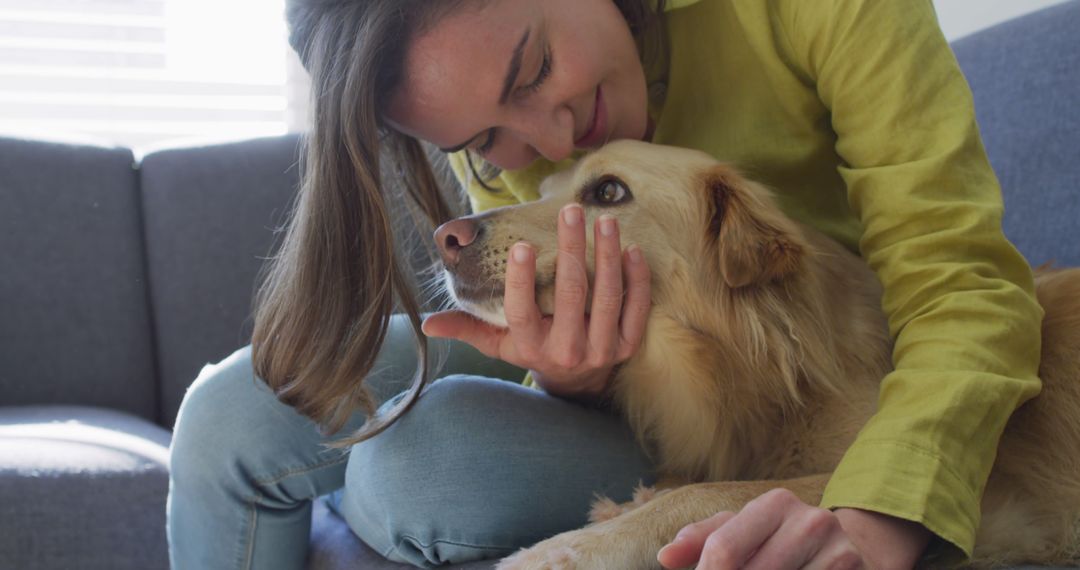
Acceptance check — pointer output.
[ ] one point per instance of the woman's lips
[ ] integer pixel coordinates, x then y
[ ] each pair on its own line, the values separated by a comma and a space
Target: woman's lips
598, 128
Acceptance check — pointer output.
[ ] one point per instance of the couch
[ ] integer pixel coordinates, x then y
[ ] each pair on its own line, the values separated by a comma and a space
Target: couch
122, 276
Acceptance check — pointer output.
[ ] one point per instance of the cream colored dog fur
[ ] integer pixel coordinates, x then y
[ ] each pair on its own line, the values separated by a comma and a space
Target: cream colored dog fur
761, 360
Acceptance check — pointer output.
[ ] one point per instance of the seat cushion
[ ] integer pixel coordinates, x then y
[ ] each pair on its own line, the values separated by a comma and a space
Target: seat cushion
82, 487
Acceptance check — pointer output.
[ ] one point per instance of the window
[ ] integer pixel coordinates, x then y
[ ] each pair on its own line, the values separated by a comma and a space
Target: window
148, 73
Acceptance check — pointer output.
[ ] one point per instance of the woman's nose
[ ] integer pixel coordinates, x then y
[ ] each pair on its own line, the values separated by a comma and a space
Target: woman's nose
554, 150
452, 237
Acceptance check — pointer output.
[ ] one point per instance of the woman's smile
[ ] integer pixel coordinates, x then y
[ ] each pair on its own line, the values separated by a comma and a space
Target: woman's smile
597, 129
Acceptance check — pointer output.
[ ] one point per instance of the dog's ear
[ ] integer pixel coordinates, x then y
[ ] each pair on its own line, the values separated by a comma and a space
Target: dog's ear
755, 242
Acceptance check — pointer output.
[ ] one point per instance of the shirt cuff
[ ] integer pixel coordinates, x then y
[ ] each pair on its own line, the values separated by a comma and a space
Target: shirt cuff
911, 483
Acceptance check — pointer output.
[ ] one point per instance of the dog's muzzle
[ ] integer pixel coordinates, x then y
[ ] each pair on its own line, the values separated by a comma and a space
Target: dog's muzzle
461, 246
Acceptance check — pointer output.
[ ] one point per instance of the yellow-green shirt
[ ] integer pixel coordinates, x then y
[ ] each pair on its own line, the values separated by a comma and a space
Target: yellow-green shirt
856, 113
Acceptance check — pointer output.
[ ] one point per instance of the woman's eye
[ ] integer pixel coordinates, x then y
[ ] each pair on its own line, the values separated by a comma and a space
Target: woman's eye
610, 191
545, 72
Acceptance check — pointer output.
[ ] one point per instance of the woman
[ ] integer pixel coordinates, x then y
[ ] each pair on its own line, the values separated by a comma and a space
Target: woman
854, 111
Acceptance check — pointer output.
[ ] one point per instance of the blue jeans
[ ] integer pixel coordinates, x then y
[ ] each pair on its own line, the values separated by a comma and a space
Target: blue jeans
477, 469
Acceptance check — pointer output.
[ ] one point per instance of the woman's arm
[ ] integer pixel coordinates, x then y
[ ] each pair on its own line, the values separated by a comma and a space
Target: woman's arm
958, 295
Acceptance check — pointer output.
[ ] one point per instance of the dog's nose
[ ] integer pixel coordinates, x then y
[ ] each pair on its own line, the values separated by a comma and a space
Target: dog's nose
452, 236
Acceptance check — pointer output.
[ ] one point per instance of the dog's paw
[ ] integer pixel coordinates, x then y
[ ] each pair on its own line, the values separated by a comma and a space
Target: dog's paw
604, 509
645, 494
582, 549
605, 546
541, 558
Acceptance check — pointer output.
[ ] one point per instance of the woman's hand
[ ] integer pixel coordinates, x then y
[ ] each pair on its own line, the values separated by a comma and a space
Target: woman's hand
777, 531
571, 354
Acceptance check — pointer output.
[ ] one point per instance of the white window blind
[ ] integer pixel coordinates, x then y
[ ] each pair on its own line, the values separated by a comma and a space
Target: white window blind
153, 73
148, 73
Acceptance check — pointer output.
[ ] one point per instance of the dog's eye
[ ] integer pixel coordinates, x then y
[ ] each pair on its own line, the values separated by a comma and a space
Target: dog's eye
609, 191
604, 191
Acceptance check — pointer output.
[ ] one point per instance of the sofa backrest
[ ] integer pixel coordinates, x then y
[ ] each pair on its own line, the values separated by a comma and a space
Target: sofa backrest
74, 313
210, 215
1025, 76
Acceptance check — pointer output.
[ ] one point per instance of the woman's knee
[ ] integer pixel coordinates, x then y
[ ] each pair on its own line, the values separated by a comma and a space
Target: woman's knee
232, 430
210, 418
481, 467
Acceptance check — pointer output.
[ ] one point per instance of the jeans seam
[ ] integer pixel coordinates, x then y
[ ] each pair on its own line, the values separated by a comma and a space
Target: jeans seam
420, 543
247, 556
276, 478
253, 502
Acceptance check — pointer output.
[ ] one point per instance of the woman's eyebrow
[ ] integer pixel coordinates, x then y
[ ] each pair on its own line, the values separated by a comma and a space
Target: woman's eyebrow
515, 67
508, 84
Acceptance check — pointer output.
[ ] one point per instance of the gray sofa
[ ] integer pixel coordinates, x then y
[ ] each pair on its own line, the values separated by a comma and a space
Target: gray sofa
122, 278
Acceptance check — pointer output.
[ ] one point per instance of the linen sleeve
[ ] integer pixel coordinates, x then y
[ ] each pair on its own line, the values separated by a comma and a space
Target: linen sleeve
959, 297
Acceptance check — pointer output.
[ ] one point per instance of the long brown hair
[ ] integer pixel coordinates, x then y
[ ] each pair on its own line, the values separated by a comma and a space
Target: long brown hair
323, 308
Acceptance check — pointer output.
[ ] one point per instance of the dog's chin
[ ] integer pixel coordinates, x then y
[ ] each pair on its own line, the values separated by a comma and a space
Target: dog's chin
492, 310
488, 306
489, 312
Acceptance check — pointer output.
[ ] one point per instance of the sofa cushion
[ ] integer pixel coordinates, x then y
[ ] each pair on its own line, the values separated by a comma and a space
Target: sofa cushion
82, 487
76, 324
210, 217
1025, 75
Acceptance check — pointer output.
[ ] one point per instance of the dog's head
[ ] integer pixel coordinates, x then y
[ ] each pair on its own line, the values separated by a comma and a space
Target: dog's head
700, 225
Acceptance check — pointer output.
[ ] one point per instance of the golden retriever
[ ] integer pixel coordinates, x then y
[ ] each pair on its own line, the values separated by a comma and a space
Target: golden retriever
761, 359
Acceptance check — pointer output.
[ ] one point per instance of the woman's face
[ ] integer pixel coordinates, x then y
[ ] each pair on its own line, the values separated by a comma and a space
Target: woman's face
515, 80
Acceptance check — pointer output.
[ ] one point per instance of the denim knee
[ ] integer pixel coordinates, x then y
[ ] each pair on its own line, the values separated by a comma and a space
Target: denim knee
482, 467
208, 419
243, 469
231, 434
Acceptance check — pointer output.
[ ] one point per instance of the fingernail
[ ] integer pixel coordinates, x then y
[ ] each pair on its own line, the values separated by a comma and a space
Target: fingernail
607, 225
572, 214
668, 546
520, 253
635, 253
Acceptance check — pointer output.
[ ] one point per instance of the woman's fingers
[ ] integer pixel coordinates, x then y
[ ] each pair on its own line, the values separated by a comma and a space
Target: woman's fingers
775, 531
808, 538
685, 550
730, 546
566, 343
519, 304
459, 325
607, 296
841, 554
576, 349
638, 299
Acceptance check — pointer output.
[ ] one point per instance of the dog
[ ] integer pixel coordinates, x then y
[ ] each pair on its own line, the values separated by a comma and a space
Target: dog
761, 360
